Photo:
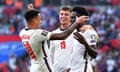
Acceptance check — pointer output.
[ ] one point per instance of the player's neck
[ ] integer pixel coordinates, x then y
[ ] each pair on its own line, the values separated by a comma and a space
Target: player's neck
64, 26
32, 26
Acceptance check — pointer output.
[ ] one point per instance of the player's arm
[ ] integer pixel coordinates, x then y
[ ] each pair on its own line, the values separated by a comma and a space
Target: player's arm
66, 33
68, 70
91, 49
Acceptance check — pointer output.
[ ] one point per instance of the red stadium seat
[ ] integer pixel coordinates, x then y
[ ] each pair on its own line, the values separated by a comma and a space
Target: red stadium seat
115, 43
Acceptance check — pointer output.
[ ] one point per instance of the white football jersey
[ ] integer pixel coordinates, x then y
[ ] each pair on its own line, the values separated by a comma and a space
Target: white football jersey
80, 56
61, 52
32, 39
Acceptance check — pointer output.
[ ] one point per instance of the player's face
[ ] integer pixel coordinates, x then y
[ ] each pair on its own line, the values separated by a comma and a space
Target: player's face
73, 16
37, 21
64, 17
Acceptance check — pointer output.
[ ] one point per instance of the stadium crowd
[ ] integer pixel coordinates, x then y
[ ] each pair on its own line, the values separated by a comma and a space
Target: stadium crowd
105, 19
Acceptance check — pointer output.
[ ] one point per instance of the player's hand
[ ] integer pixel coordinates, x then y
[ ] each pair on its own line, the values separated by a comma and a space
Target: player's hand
82, 19
79, 38
30, 6
68, 70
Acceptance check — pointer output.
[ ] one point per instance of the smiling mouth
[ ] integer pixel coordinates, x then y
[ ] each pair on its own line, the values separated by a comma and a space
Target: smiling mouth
63, 24
63, 19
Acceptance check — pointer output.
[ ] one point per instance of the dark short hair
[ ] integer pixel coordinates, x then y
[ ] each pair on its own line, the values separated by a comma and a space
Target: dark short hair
30, 14
80, 10
66, 8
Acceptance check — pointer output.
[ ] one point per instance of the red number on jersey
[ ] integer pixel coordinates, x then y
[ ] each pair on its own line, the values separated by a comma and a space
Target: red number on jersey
30, 51
63, 44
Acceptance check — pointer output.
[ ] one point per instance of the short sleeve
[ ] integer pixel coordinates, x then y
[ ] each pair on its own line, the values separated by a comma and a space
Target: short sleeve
42, 35
91, 37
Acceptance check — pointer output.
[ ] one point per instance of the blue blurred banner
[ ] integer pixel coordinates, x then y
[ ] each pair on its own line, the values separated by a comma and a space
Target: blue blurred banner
6, 48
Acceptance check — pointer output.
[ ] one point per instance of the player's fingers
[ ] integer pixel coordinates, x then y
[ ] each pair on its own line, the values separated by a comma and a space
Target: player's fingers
77, 36
84, 17
81, 17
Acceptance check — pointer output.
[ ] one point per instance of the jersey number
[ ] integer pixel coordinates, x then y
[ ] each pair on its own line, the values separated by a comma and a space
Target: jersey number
29, 49
63, 44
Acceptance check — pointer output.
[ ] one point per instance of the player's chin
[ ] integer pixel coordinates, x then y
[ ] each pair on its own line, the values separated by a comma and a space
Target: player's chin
63, 23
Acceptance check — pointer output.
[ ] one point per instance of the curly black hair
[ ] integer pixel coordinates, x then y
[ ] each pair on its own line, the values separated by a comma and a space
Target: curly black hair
80, 11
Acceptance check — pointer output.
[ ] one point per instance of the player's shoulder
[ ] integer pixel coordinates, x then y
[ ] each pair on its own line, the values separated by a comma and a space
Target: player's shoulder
22, 31
27, 31
86, 27
90, 31
56, 30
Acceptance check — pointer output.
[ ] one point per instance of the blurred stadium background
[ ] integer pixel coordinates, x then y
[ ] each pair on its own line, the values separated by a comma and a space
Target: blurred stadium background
104, 17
